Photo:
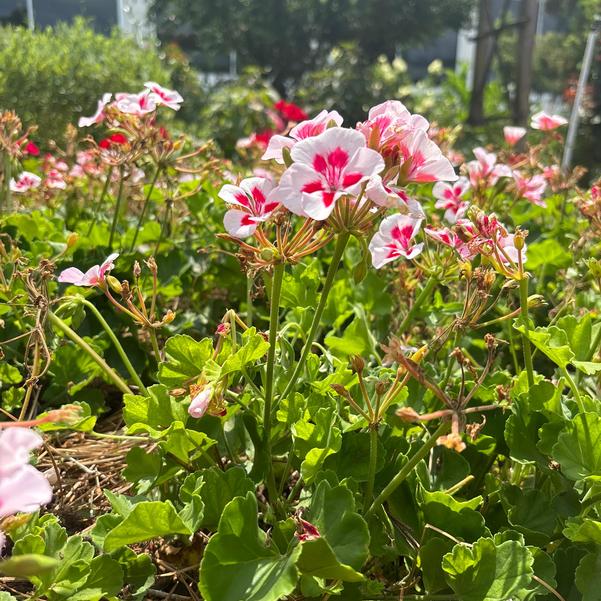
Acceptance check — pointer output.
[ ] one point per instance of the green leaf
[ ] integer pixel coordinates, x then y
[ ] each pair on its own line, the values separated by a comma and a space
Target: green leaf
147, 520
184, 360
354, 341
319, 560
578, 332
350, 461
159, 410
588, 576
237, 564
551, 341
583, 530
22, 566
548, 252
105, 580
254, 346
486, 572
332, 511
430, 557
578, 448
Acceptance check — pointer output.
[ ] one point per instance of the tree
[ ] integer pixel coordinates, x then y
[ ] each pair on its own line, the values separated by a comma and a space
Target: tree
291, 37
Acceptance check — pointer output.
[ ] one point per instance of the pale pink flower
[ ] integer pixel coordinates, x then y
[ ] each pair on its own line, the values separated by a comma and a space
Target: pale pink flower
546, 122
449, 197
513, 134
393, 197
22, 487
327, 167
98, 116
256, 197
95, 276
200, 403
55, 180
137, 104
422, 161
166, 97
394, 239
305, 129
531, 188
25, 182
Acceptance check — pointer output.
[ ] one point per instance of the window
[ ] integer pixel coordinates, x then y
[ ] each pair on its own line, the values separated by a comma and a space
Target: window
13, 12
102, 13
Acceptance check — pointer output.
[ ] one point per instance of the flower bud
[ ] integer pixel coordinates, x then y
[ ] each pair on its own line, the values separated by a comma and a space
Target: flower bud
518, 239
535, 301
418, 356
267, 254
465, 270
223, 329
357, 364
169, 316
381, 387
137, 270
72, 239
408, 414
114, 283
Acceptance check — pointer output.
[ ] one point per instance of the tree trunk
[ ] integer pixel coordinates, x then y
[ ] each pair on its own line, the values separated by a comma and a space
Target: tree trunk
524, 59
484, 49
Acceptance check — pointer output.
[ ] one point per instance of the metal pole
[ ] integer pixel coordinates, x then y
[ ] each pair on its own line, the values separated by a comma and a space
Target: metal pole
587, 60
30, 19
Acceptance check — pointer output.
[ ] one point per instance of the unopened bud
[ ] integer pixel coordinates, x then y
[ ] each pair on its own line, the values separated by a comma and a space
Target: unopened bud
408, 414
535, 301
72, 239
178, 392
360, 271
465, 270
489, 278
137, 270
114, 283
341, 390
152, 265
267, 254
518, 239
169, 316
69, 414
223, 329
357, 364
418, 356
381, 387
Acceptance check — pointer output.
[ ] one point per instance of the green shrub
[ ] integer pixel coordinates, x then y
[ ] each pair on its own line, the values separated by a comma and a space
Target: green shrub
52, 77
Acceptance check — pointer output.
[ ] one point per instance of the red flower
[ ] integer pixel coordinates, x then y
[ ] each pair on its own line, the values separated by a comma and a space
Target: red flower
32, 149
290, 111
112, 139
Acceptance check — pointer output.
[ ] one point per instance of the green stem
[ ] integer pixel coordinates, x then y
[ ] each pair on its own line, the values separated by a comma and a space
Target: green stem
373, 461
525, 337
249, 300
419, 301
117, 209
155, 344
7, 201
574, 389
130, 368
407, 468
596, 343
145, 206
98, 206
341, 243
274, 320
72, 335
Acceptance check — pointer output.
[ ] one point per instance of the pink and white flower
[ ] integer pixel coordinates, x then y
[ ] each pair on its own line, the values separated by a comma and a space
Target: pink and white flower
394, 240
200, 403
55, 180
98, 116
393, 197
513, 134
449, 197
531, 188
305, 129
422, 161
166, 97
327, 167
449, 238
95, 276
545, 122
25, 182
137, 104
485, 171
256, 197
